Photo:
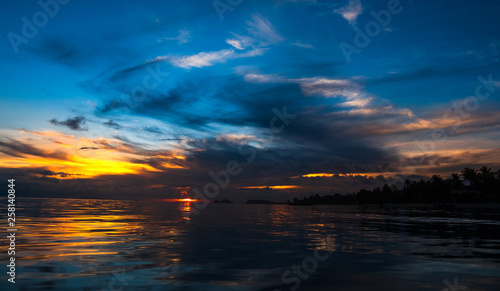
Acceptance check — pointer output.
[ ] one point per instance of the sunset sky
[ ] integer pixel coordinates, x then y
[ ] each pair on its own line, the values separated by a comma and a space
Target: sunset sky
126, 99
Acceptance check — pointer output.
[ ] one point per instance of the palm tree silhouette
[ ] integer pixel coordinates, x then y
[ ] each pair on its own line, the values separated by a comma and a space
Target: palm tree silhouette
471, 176
456, 182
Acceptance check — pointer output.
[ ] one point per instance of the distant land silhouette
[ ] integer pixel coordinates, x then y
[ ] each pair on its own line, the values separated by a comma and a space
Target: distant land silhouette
469, 186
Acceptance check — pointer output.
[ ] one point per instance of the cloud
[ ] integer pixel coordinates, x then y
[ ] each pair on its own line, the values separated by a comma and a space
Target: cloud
88, 148
261, 33
263, 79
351, 11
183, 37
240, 42
236, 44
202, 59
237, 138
112, 124
18, 149
351, 94
329, 87
75, 123
87, 158
152, 129
323, 87
172, 139
304, 45
263, 30
207, 59
46, 133
316, 86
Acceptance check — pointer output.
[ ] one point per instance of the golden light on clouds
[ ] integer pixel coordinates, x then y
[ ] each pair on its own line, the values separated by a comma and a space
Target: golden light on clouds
317, 175
77, 167
169, 165
366, 175
71, 157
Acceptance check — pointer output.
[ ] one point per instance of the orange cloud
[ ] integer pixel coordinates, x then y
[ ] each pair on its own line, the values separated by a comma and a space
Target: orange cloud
368, 175
73, 157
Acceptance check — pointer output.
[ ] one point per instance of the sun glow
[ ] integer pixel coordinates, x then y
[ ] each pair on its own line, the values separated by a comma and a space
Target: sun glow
181, 200
367, 175
78, 167
70, 157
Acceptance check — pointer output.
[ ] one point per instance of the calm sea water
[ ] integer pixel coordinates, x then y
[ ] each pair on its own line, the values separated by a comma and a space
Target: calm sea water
70, 244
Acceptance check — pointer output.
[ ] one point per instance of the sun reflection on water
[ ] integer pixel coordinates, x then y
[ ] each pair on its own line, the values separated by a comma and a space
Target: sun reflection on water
85, 243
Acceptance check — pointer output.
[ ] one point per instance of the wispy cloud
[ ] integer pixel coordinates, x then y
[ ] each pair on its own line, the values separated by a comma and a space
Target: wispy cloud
241, 42
238, 138
207, 59
263, 30
202, 59
304, 45
260, 33
351, 11
329, 87
183, 37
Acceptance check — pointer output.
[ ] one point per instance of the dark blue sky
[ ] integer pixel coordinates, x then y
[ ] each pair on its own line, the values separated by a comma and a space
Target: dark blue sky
167, 91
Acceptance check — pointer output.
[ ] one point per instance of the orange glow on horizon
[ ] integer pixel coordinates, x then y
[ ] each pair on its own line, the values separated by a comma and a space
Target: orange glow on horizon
182, 200
71, 157
317, 175
368, 175
78, 167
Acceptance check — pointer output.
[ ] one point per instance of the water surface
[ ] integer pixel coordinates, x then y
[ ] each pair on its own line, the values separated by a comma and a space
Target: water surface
76, 244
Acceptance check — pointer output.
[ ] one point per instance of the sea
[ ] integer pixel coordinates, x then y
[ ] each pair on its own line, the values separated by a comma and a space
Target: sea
79, 244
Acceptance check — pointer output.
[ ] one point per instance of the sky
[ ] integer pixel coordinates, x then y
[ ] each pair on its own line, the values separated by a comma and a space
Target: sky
245, 99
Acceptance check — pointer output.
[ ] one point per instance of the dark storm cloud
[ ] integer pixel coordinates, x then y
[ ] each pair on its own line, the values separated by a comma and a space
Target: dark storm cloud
314, 141
232, 102
75, 123
278, 164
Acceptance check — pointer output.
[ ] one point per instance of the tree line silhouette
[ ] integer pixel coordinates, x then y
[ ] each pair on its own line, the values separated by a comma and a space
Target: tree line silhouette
469, 186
